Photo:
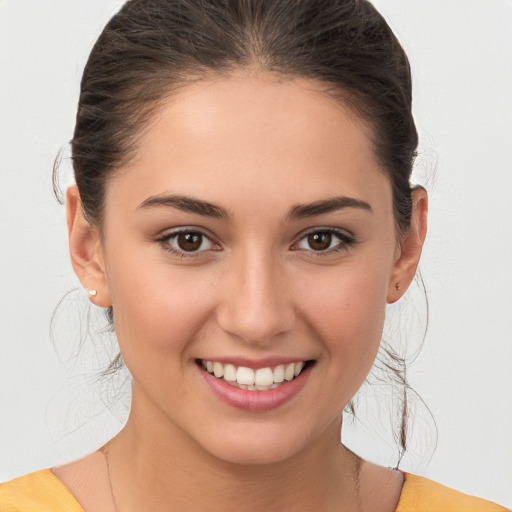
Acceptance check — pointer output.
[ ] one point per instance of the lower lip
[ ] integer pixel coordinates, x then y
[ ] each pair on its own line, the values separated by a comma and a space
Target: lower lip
255, 400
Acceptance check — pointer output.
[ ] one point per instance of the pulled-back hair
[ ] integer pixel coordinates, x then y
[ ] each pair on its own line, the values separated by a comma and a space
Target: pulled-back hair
152, 48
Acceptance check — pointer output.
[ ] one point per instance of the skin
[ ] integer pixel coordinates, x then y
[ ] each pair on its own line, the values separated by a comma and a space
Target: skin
257, 289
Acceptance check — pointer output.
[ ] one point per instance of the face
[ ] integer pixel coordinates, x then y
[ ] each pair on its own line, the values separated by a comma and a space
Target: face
253, 230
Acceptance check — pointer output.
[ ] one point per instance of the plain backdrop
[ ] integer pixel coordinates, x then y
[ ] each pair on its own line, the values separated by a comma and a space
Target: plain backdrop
461, 53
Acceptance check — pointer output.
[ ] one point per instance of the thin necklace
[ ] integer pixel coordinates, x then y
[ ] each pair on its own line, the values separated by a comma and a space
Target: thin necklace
105, 454
357, 483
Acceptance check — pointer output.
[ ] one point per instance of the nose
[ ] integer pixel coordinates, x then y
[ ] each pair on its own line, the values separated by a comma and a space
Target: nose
256, 300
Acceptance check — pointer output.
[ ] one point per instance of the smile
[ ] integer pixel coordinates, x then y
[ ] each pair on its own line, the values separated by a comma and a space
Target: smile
261, 379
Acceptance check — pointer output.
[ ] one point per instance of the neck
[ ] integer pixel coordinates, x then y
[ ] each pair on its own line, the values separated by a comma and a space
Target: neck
168, 467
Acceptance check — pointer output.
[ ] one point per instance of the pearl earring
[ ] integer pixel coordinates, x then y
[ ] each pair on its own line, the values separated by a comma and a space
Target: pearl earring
92, 292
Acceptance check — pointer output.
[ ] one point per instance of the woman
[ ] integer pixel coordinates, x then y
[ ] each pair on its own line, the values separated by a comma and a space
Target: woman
243, 211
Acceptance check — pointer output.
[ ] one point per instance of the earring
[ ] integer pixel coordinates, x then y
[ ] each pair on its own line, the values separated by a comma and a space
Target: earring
92, 292
397, 286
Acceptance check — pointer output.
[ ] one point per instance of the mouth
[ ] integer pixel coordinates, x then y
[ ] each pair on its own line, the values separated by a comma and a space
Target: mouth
261, 379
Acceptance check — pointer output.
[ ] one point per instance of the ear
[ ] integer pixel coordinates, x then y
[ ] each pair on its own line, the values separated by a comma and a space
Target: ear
86, 250
411, 244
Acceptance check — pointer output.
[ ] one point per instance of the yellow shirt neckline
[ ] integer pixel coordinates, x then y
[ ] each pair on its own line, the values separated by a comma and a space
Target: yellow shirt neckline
43, 491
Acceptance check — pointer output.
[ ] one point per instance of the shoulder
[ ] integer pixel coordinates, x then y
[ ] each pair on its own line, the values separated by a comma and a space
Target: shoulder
40, 491
420, 494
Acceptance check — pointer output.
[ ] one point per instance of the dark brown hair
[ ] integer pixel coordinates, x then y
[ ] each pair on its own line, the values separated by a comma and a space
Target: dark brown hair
153, 47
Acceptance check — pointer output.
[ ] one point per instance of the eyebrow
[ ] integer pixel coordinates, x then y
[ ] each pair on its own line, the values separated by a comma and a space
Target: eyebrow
332, 204
299, 211
187, 204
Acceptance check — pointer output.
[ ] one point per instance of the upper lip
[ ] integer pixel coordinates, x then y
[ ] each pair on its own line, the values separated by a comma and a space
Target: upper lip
255, 364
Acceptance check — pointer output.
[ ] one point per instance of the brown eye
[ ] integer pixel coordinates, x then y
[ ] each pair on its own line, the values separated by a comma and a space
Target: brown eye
189, 241
319, 241
326, 241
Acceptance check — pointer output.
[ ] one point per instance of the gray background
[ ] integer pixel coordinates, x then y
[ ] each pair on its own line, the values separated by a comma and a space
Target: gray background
50, 407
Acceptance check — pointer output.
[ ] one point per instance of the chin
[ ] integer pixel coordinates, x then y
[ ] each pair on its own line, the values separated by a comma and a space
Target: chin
255, 454
258, 445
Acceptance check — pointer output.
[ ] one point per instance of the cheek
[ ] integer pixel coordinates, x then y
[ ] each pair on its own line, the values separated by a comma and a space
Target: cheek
157, 311
347, 312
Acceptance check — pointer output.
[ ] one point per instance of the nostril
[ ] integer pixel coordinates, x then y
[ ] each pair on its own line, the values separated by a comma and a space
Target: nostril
252, 328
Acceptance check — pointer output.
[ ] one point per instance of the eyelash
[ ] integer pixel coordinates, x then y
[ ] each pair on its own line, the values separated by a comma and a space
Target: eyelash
346, 241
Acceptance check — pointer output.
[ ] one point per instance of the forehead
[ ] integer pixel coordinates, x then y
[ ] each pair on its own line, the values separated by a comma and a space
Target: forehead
235, 137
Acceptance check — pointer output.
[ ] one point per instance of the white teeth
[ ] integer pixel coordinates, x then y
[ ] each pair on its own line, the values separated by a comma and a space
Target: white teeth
279, 373
264, 377
245, 376
289, 372
261, 379
218, 370
229, 372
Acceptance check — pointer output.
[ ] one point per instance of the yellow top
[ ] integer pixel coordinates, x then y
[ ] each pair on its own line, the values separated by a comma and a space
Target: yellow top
420, 494
42, 491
